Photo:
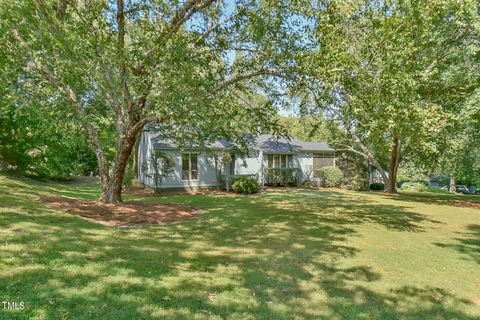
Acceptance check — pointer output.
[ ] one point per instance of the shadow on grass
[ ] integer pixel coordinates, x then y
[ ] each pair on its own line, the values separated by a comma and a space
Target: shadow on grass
431, 198
468, 244
274, 256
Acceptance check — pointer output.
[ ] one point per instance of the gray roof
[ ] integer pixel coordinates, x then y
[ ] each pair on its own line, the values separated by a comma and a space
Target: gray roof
159, 143
269, 143
265, 142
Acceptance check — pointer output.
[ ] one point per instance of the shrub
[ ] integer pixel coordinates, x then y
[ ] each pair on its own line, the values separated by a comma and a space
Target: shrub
283, 176
128, 177
407, 186
416, 186
420, 187
401, 181
159, 166
424, 182
331, 177
245, 185
377, 186
436, 190
357, 184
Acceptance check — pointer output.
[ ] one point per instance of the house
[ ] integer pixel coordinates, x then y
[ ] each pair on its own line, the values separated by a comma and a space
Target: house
200, 168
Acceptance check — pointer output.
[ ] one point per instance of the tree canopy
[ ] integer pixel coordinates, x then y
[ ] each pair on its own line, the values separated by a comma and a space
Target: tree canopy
119, 66
389, 81
392, 74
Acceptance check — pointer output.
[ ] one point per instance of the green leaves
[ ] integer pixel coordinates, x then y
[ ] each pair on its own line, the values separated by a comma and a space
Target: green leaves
394, 68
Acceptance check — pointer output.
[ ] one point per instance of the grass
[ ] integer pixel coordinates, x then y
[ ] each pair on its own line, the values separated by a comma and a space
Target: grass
435, 189
297, 254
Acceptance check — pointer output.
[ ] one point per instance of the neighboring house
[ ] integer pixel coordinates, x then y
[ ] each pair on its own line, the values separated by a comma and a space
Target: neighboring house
197, 167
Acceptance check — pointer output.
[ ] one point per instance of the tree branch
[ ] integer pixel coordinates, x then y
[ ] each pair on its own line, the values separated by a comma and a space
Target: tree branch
186, 11
369, 156
122, 69
72, 97
234, 80
212, 27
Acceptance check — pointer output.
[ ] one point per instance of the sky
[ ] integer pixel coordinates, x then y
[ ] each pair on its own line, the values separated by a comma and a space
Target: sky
227, 8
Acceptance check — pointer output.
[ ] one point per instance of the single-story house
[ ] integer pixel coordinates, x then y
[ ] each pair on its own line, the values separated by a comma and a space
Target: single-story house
198, 167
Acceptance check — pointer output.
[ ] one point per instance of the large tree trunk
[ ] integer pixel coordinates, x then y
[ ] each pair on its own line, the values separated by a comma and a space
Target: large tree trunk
453, 184
113, 192
391, 186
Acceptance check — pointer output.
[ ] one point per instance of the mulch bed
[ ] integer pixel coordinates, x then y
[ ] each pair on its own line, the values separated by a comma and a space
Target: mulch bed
467, 204
129, 213
141, 191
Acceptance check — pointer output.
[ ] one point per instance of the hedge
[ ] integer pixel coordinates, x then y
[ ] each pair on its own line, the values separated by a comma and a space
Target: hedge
330, 177
245, 185
283, 176
377, 186
357, 184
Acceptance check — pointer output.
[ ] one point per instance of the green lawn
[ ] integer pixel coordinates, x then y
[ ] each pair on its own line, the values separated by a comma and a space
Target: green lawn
299, 254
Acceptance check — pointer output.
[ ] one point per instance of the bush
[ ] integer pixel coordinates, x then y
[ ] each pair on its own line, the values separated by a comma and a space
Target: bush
283, 176
245, 185
407, 186
331, 177
401, 181
416, 186
435, 189
377, 186
357, 184
420, 187
158, 167
128, 177
425, 183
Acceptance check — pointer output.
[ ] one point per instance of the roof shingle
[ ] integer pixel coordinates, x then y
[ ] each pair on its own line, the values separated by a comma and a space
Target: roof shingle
265, 142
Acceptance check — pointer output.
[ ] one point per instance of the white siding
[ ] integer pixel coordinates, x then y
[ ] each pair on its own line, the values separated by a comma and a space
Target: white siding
254, 164
206, 167
206, 172
249, 165
144, 150
304, 161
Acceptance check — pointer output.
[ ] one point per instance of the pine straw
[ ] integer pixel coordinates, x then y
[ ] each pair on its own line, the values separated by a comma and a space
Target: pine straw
141, 191
128, 213
466, 204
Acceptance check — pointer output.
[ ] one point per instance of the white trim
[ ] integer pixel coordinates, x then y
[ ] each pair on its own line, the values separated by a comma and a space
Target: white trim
288, 164
189, 166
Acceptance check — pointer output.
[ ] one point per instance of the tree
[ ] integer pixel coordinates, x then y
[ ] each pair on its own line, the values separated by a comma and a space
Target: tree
307, 128
390, 74
158, 166
121, 65
35, 138
460, 151
221, 162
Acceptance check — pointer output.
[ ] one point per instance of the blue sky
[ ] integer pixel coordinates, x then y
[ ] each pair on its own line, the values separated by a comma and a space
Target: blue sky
227, 7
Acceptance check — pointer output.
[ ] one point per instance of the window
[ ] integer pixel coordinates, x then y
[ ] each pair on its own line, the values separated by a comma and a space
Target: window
189, 166
322, 160
280, 161
324, 155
